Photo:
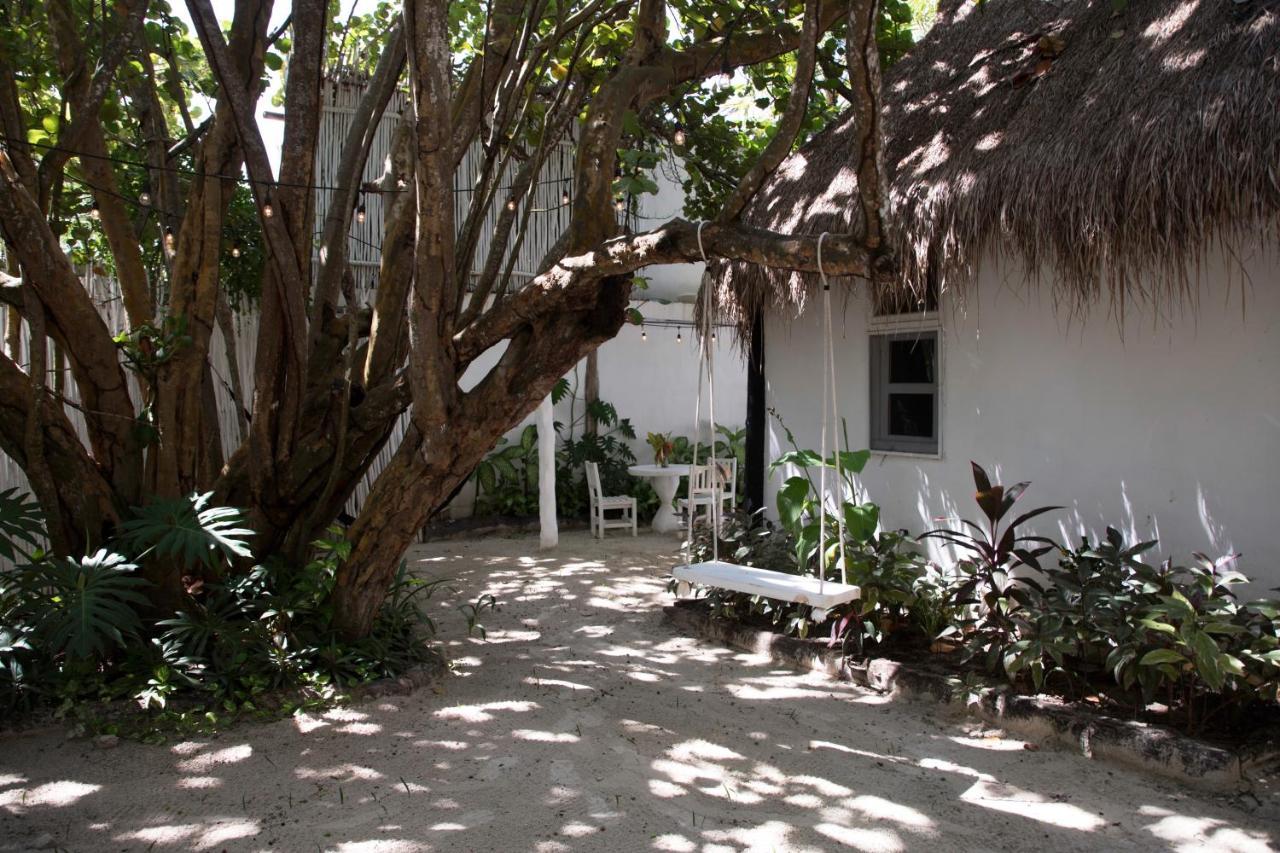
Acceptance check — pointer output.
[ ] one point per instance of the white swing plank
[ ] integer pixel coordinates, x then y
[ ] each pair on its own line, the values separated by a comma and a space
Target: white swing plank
779, 586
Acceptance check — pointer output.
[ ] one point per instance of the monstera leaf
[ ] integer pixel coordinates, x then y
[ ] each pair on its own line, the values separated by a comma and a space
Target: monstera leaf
21, 525
85, 605
187, 529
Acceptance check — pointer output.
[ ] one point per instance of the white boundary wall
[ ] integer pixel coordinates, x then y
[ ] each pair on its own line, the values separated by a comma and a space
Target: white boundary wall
652, 380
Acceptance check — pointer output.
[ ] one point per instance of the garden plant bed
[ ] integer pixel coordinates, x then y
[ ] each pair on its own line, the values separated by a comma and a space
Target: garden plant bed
107, 720
1152, 748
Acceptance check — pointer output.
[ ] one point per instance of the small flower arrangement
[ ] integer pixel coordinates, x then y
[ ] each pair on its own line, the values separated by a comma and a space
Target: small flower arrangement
662, 447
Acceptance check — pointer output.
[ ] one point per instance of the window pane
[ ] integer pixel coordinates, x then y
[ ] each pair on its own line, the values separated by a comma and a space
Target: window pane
911, 360
911, 415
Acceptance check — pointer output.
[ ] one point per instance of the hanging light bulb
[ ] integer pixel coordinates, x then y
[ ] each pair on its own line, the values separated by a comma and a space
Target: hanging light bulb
620, 204
145, 199
713, 337
235, 249
679, 337
360, 214
644, 336
169, 239
678, 137
511, 204
267, 210
564, 196
94, 213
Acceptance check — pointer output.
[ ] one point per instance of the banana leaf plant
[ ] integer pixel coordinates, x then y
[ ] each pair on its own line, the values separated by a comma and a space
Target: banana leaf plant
800, 503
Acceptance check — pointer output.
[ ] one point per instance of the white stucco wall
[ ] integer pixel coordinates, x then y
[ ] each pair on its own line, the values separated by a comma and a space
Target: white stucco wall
652, 381
1165, 426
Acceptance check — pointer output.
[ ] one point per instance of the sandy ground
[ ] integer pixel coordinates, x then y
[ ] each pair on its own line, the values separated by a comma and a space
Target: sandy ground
582, 723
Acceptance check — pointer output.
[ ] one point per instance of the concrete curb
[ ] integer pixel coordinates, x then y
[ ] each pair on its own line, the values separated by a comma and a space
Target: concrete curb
1151, 749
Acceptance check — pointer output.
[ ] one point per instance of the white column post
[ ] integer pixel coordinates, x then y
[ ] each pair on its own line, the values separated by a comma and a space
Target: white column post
550, 534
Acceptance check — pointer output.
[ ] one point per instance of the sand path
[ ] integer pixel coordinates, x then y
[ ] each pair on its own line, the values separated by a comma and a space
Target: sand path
583, 723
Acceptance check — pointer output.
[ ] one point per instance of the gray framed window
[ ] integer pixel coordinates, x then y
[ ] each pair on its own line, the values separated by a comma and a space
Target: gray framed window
904, 392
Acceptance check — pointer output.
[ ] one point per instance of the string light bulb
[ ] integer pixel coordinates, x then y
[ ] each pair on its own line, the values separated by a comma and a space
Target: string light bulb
267, 210
145, 199
620, 204
94, 213
511, 204
678, 137
169, 239
679, 337
644, 336
713, 337
235, 249
360, 214
564, 196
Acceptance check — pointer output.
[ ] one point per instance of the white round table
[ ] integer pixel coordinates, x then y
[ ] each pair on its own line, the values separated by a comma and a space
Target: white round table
666, 479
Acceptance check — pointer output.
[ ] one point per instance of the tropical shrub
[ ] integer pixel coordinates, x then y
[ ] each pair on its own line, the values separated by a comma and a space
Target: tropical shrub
608, 447
888, 571
996, 601
1097, 620
507, 479
82, 629
1103, 616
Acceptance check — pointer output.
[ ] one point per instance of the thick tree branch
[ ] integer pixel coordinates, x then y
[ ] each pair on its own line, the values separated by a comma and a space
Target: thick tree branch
573, 280
86, 106
788, 125
388, 338
708, 59
82, 499
355, 153
77, 327
433, 297
481, 79
13, 124
97, 168
234, 93
864, 73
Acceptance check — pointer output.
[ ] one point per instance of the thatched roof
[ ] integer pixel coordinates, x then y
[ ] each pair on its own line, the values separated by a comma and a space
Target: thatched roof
1107, 150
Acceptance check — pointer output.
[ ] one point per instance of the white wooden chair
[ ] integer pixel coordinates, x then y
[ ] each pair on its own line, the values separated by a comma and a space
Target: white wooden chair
601, 504
702, 493
707, 486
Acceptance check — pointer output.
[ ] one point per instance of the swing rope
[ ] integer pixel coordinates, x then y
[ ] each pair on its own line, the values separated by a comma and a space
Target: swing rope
830, 404
800, 588
706, 361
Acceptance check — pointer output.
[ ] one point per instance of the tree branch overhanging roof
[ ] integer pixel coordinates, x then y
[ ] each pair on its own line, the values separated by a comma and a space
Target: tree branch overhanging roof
1106, 150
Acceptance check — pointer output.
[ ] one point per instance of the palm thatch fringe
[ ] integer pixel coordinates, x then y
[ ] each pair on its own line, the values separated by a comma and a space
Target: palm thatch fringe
1108, 151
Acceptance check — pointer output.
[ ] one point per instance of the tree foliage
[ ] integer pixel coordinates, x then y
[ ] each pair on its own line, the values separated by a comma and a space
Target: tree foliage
129, 145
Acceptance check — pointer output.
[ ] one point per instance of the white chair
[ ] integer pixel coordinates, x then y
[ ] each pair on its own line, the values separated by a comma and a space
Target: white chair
706, 484
705, 487
600, 504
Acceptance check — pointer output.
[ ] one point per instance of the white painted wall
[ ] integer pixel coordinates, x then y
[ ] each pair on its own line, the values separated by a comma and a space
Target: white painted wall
1164, 426
652, 381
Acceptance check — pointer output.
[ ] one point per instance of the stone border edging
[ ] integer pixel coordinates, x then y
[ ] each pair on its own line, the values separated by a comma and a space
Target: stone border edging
1152, 749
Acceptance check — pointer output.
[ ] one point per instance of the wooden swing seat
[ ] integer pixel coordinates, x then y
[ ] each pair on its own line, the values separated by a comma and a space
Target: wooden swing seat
779, 586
